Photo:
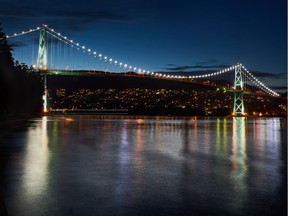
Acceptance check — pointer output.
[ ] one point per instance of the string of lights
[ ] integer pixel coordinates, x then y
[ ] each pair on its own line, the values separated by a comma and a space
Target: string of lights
22, 33
259, 83
255, 83
73, 44
89, 51
131, 68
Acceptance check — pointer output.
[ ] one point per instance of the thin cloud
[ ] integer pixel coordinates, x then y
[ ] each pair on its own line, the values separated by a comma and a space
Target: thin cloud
187, 67
211, 61
279, 87
269, 75
67, 18
58, 13
76, 16
190, 72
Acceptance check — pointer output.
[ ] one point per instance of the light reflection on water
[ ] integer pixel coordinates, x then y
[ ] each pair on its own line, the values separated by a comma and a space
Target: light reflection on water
36, 160
126, 165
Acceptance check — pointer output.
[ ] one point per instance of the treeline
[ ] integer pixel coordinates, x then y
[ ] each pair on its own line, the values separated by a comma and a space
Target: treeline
21, 89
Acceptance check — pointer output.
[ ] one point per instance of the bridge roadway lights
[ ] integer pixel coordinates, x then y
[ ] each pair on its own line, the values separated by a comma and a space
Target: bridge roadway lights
239, 114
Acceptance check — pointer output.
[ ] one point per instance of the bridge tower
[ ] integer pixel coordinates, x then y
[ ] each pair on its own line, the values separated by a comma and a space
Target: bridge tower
42, 63
42, 49
238, 109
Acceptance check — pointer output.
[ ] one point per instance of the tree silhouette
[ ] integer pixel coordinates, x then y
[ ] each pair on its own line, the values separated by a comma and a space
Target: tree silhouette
21, 91
6, 74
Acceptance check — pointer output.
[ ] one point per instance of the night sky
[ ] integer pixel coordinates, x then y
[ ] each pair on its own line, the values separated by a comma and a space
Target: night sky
166, 35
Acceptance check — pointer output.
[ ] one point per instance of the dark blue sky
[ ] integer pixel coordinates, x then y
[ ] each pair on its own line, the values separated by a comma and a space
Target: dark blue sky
161, 35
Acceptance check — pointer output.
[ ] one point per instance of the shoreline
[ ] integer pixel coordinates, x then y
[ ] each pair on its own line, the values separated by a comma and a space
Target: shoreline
18, 122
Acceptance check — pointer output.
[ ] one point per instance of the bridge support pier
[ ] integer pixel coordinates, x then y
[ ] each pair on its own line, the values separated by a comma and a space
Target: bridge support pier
45, 95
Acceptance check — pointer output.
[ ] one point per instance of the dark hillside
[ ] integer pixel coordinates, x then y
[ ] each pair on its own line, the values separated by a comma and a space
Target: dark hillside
119, 82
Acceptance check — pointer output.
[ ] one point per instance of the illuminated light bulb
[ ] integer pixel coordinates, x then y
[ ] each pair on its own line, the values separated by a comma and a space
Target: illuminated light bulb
77, 44
83, 47
71, 41
89, 50
94, 53
65, 37
59, 34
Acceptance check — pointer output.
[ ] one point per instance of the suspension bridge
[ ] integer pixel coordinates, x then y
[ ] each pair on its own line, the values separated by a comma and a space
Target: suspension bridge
50, 52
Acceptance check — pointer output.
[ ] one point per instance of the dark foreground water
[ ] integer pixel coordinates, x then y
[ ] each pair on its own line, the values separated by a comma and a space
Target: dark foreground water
121, 165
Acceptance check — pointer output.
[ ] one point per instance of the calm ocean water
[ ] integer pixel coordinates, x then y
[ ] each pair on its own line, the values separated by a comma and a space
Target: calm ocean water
125, 165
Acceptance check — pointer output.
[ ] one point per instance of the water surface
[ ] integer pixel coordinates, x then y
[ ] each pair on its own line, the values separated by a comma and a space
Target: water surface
125, 165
